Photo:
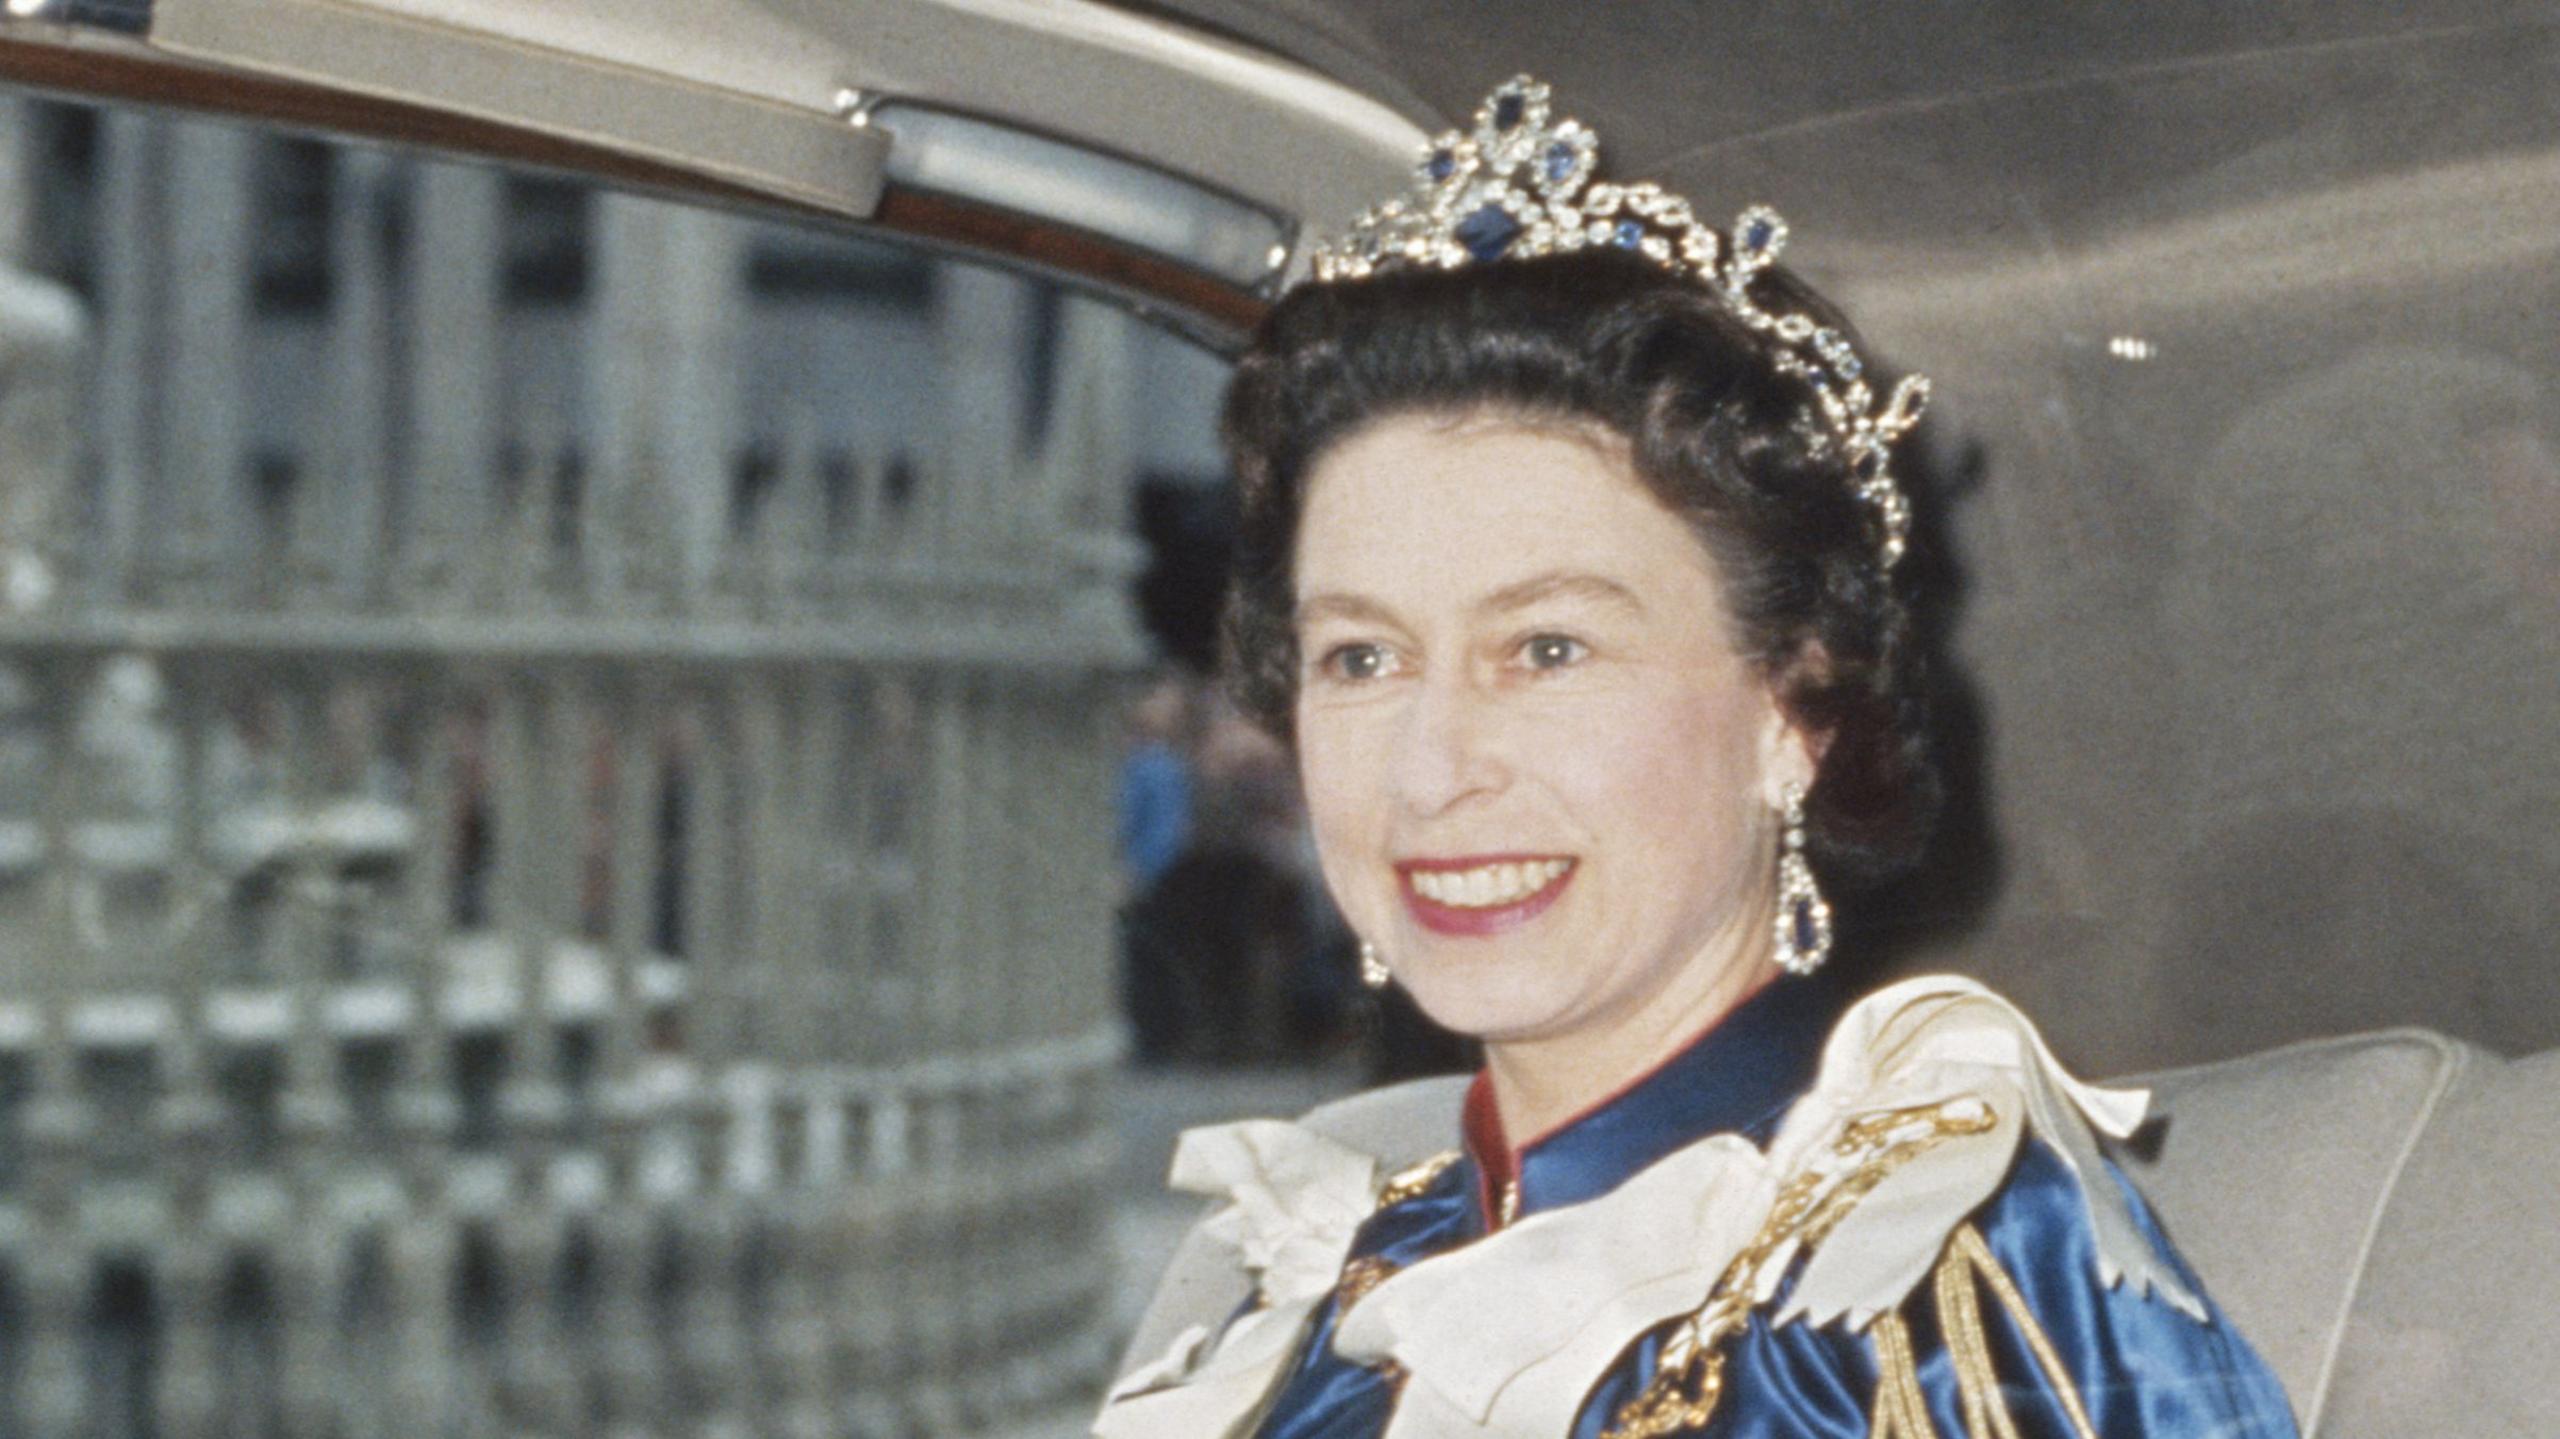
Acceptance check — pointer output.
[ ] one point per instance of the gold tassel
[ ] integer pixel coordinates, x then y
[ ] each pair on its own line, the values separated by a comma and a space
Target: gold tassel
1986, 1414
1901, 1408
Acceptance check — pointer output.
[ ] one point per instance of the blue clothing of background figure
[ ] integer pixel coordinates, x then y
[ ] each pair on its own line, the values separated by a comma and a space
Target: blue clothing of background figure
1155, 811
1154, 831
2141, 1369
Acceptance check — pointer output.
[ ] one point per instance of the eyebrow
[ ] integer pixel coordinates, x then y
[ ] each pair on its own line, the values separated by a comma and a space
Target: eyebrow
1560, 584
1518, 595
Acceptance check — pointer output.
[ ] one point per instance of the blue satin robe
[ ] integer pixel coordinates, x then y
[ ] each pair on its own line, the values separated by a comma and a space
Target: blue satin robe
2143, 1369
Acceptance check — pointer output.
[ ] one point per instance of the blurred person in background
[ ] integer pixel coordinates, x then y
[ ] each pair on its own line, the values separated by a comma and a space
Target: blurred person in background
1228, 919
1155, 807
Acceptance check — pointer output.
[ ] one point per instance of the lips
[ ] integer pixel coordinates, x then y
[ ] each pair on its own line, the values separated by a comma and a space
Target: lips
1486, 894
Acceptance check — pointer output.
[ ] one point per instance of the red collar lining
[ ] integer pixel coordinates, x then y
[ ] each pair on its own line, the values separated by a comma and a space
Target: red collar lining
1498, 1162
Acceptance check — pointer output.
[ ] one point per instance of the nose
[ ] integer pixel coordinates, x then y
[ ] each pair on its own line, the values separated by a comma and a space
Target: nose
1448, 747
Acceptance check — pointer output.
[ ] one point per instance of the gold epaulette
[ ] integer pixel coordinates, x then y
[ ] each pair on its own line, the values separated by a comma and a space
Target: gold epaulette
1689, 1379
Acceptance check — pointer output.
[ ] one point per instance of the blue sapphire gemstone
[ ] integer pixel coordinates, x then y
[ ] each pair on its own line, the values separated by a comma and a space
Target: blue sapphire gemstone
1869, 465
1808, 938
1628, 235
1509, 111
1488, 232
1443, 164
1757, 235
1560, 160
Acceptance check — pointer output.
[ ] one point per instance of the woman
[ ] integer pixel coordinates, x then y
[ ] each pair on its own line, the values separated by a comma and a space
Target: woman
1568, 569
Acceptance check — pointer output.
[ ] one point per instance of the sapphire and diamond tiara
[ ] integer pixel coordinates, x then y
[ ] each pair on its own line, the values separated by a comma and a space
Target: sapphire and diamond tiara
1519, 184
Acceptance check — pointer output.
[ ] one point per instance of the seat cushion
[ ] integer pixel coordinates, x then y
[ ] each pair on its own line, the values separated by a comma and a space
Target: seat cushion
2271, 1173
2453, 1330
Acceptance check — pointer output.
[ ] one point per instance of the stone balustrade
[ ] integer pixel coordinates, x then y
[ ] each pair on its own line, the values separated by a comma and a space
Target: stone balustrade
510, 934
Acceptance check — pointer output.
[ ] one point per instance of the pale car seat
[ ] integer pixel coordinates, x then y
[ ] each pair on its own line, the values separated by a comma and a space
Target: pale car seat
2380, 1214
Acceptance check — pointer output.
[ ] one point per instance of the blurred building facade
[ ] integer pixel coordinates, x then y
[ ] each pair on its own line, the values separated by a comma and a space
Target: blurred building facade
554, 804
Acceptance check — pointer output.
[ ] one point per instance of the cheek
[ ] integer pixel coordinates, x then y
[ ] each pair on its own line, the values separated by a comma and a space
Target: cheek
1343, 793
1349, 812
1675, 778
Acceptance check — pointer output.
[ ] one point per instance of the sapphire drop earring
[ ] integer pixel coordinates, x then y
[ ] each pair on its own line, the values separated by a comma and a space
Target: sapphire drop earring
1804, 917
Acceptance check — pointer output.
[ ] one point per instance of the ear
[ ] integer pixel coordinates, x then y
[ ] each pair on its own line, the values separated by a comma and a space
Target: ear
1790, 754
1790, 751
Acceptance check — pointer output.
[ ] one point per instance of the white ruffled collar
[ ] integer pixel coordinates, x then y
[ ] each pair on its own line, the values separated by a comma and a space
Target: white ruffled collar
1611, 1269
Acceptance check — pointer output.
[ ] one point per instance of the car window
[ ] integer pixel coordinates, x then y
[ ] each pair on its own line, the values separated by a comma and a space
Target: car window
554, 794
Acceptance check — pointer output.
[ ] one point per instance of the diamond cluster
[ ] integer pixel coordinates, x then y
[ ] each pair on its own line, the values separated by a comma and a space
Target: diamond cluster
1519, 184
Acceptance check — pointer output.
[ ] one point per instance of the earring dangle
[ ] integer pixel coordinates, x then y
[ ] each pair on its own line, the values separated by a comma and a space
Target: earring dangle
1804, 916
1373, 967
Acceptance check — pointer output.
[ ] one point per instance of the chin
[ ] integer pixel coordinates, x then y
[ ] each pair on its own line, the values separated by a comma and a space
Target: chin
1485, 997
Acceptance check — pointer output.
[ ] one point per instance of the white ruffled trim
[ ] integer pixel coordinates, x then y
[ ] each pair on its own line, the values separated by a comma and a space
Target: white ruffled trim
1598, 1275
1526, 1325
1294, 1202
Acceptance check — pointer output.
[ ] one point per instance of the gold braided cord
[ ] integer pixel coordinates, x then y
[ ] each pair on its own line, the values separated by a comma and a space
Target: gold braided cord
1968, 1246
1689, 1379
1986, 1414
1411, 1181
1901, 1409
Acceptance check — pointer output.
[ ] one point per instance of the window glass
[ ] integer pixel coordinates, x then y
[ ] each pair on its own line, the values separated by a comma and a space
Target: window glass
556, 785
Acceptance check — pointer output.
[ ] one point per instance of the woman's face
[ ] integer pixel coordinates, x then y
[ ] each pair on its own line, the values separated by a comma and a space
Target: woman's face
1540, 775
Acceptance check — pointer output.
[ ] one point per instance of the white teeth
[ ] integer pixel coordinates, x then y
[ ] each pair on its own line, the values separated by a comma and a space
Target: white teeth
1487, 885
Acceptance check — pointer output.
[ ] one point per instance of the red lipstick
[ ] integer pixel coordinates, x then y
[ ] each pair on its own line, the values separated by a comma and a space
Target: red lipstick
1473, 920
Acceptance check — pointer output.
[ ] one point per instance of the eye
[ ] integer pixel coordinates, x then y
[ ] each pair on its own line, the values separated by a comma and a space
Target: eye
1552, 651
1357, 661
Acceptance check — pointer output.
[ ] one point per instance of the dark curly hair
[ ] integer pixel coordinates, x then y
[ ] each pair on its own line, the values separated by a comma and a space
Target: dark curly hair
1602, 338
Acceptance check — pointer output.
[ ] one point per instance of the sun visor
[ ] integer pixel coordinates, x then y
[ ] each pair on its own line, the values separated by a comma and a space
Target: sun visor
1178, 169
807, 156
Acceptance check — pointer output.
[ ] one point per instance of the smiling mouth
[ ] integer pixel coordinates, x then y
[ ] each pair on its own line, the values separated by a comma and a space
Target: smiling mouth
1482, 896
